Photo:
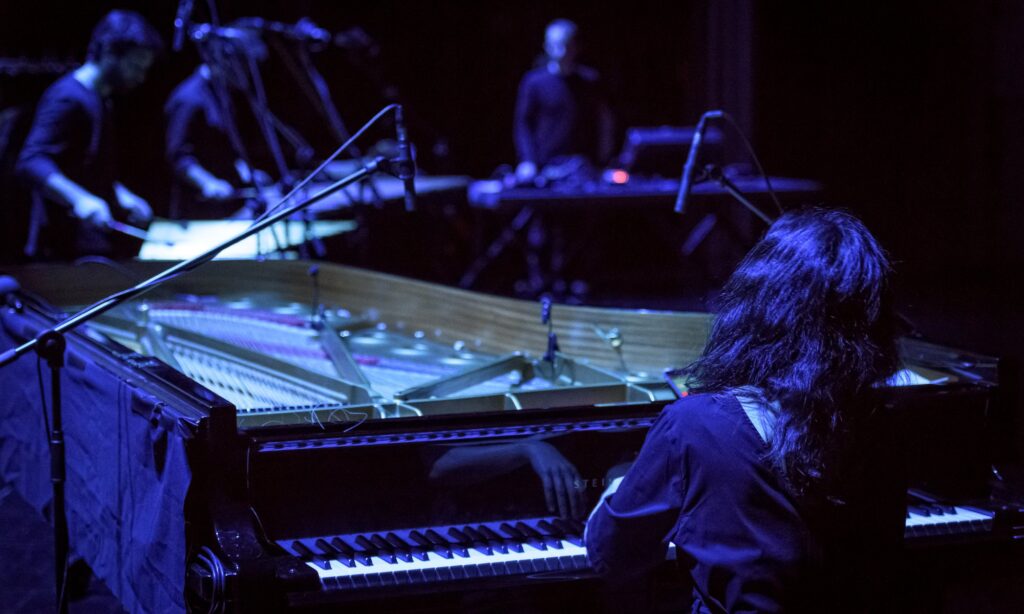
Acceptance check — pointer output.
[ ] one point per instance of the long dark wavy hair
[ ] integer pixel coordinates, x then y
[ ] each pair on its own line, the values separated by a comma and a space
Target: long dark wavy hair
806, 318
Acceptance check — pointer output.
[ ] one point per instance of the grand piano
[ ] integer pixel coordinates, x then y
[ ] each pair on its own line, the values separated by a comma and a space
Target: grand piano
254, 438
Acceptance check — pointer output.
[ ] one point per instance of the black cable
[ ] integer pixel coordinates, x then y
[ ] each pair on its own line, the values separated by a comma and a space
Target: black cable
104, 261
63, 585
757, 162
42, 394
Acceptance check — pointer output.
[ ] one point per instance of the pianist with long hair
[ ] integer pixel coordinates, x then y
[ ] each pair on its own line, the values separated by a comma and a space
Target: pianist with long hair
774, 477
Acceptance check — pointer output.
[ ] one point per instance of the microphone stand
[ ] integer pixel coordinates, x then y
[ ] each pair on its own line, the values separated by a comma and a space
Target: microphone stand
222, 96
715, 173
312, 83
51, 345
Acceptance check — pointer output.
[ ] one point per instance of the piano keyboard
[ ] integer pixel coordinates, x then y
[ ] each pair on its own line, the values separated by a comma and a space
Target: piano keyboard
535, 546
437, 554
929, 519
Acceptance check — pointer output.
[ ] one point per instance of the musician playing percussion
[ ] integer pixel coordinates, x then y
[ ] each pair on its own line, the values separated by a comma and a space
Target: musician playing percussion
212, 144
69, 156
774, 478
560, 110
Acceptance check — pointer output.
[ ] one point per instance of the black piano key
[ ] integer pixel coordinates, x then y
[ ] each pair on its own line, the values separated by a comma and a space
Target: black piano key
333, 553
520, 536
309, 555
438, 539
399, 544
369, 549
465, 540
422, 540
559, 526
363, 542
535, 535
478, 536
302, 550
384, 550
419, 552
325, 548
393, 544
492, 535
920, 510
513, 531
350, 552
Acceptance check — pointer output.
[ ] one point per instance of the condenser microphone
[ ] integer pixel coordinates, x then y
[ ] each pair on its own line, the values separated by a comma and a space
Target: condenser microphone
691, 158
405, 165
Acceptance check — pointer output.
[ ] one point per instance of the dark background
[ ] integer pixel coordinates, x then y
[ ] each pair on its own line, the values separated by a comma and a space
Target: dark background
910, 113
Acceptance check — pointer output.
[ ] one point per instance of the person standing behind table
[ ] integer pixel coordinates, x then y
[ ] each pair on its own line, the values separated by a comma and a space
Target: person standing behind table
560, 108
69, 157
779, 478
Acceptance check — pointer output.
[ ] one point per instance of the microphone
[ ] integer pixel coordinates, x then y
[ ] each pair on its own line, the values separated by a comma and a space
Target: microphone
181, 20
404, 165
691, 158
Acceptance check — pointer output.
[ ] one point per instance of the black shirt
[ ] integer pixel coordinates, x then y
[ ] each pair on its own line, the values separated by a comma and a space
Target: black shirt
71, 134
702, 482
197, 132
557, 115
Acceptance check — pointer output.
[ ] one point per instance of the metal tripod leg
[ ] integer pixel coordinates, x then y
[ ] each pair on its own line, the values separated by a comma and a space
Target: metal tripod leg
497, 247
